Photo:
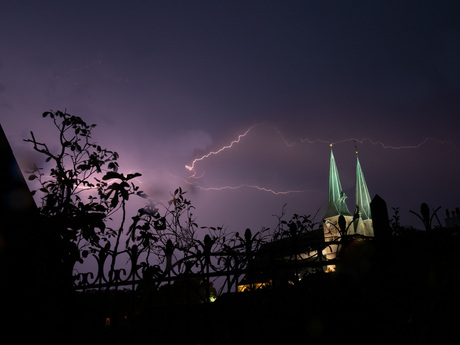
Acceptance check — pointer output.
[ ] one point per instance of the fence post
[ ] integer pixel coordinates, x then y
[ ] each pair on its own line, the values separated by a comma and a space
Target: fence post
207, 262
169, 250
248, 248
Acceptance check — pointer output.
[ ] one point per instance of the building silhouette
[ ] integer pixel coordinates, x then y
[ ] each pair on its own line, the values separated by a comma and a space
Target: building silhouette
21, 244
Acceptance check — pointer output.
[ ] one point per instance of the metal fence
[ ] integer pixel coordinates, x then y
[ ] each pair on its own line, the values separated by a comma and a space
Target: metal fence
218, 269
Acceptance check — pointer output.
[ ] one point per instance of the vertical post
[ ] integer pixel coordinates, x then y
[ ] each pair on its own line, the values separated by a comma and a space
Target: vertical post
237, 271
380, 219
229, 286
134, 255
294, 238
169, 250
248, 247
207, 262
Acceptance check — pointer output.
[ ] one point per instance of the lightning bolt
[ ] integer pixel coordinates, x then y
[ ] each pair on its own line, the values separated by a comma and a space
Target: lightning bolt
241, 186
263, 189
363, 140
403, 147
191, 167
378, 143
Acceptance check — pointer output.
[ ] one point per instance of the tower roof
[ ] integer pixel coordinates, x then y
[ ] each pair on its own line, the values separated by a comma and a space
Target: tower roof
336, 204
363, 199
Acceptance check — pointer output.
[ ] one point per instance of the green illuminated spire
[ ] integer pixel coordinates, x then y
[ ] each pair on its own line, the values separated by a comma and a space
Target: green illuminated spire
337, 205
363, 200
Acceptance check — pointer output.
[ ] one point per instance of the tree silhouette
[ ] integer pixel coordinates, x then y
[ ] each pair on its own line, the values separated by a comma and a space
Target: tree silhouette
81, 191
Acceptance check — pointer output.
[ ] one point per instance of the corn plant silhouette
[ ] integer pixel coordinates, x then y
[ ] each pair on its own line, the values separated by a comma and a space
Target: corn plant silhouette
426, 217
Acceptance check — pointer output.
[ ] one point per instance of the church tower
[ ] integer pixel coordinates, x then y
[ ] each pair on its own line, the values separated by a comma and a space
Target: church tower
359, 224
336, 207
363, 225
336, 202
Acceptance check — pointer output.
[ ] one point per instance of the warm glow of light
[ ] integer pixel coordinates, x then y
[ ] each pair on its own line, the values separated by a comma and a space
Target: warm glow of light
255, 286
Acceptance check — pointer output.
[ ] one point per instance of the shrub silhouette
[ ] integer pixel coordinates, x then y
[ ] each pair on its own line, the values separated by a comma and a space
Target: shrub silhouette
82, 189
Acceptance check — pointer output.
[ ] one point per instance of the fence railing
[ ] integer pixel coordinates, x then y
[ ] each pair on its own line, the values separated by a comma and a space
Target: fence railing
228, 269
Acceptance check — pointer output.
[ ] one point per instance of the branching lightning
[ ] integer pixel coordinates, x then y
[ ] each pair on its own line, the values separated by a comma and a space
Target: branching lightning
241, 186
362, 141
402, 147
263, 189
192, 166
377, 143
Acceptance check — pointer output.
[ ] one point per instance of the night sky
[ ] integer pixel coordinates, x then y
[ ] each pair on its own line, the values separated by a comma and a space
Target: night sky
168, 82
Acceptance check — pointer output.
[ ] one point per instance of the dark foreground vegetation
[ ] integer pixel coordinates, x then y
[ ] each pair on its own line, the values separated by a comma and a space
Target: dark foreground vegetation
401, 291
400, 287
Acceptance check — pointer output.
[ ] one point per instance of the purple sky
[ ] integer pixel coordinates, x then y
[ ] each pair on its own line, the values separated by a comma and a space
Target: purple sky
171, 81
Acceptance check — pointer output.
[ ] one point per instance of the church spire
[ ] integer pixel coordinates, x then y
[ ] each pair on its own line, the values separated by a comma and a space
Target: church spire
336, 205
363, 199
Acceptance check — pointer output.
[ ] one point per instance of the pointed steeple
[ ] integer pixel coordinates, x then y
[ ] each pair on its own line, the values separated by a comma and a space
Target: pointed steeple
336, 205
363, 200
